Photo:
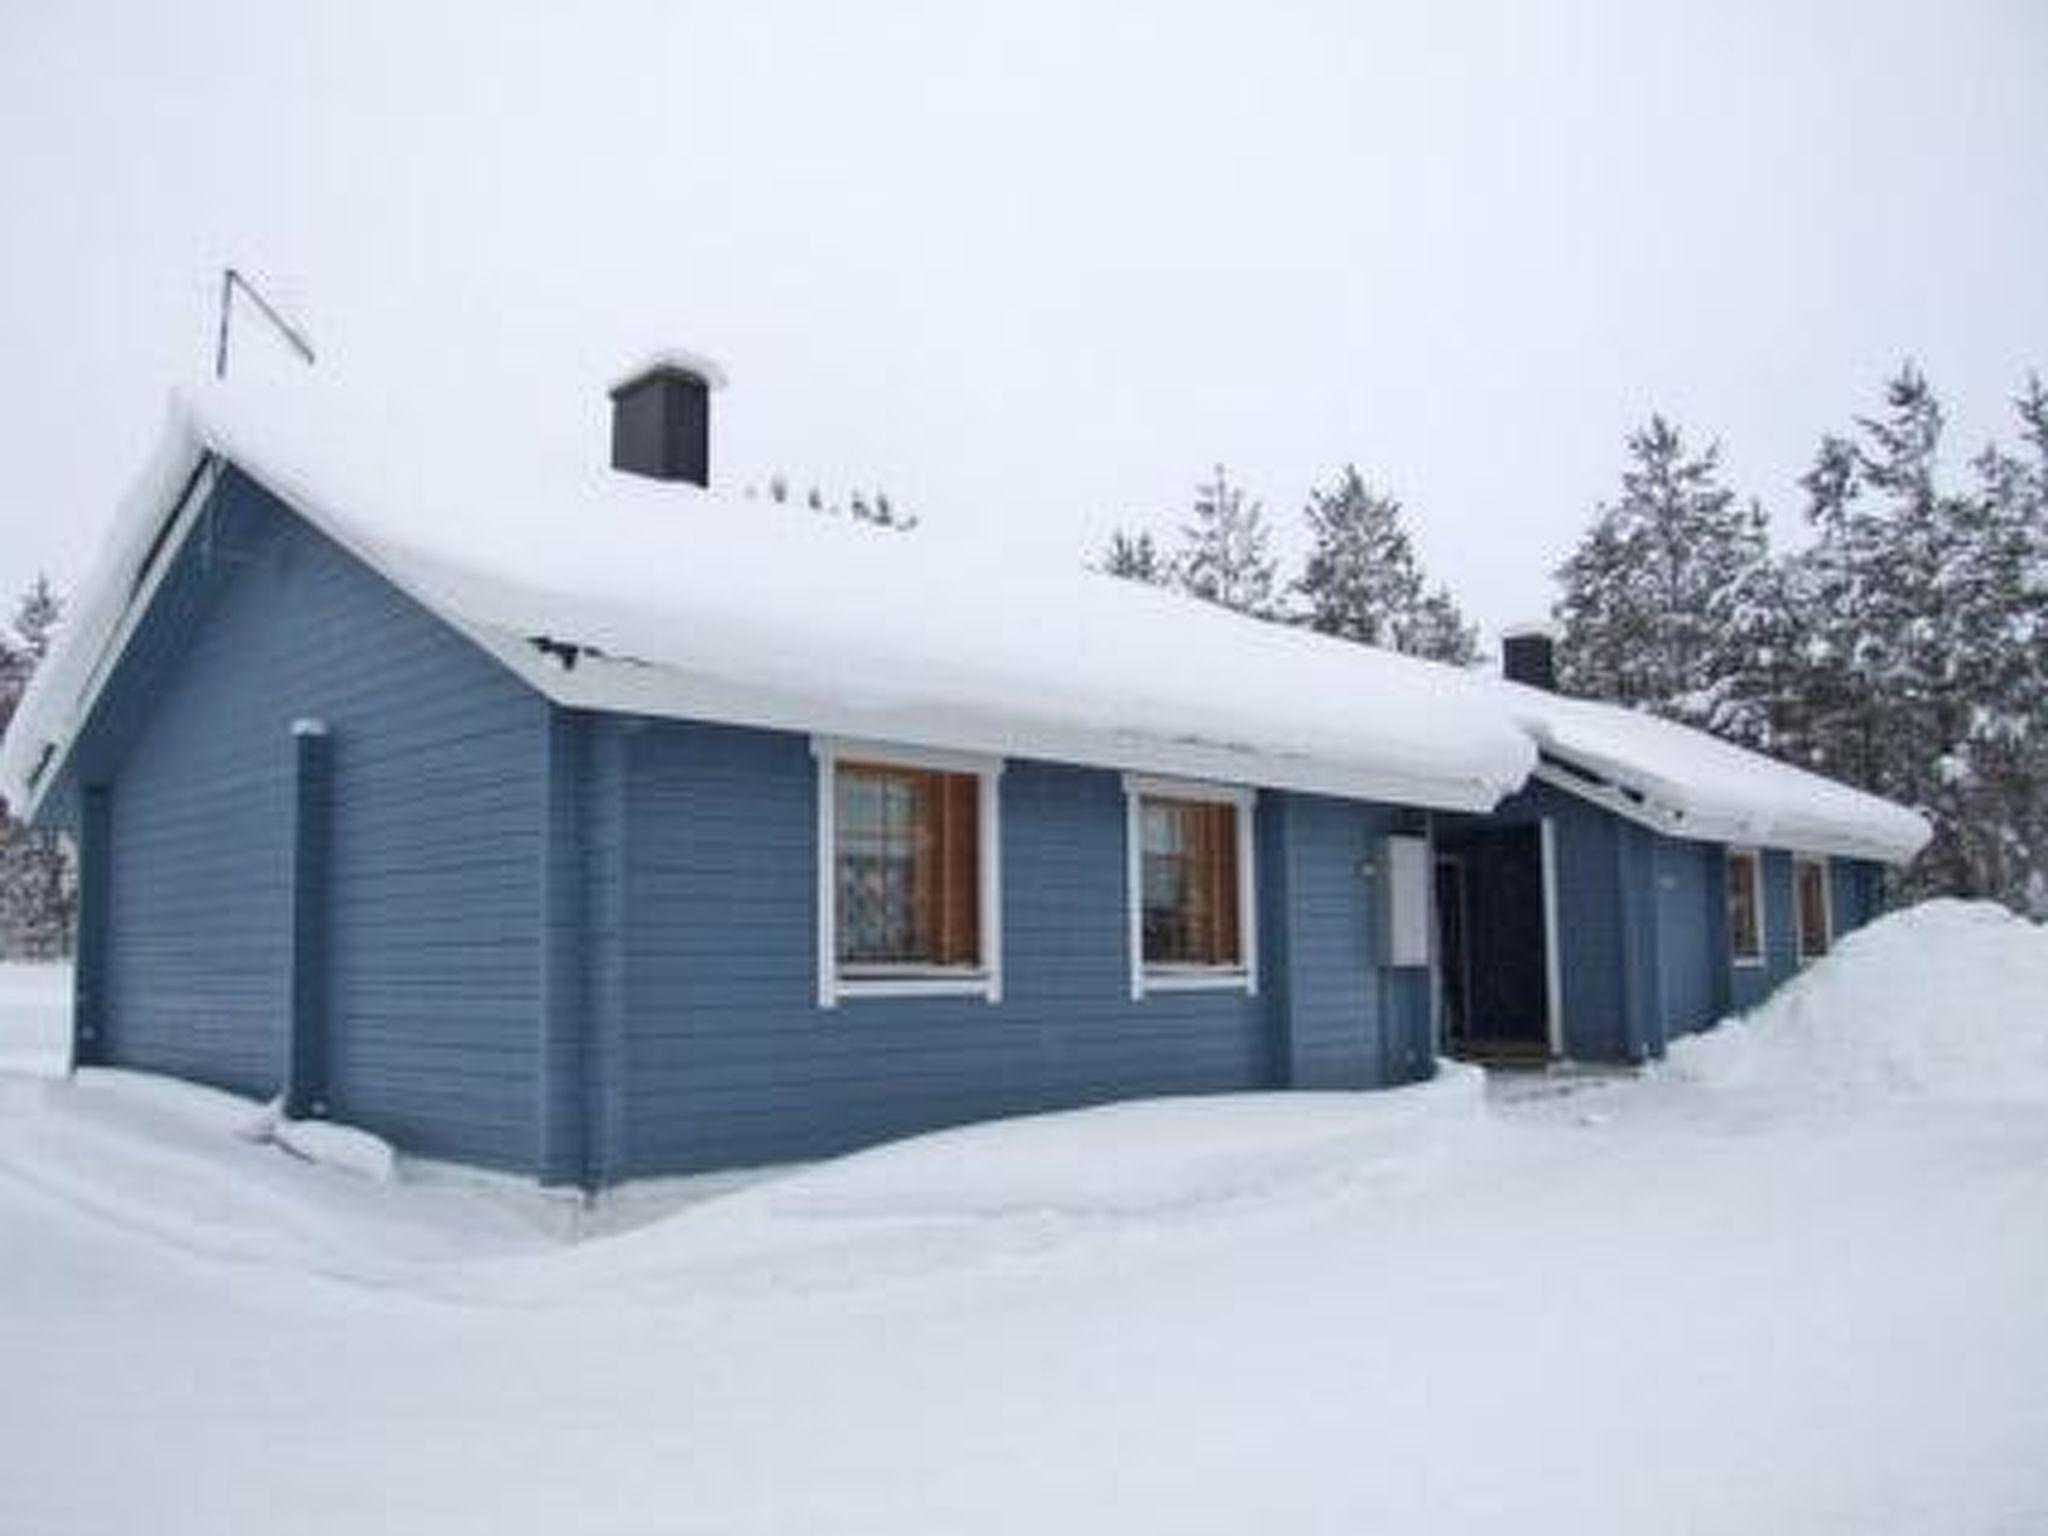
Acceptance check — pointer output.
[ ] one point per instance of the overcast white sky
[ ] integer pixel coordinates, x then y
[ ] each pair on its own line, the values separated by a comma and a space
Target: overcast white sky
1035, 268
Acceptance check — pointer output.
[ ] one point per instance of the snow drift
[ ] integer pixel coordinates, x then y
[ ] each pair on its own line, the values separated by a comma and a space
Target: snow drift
1945, 1000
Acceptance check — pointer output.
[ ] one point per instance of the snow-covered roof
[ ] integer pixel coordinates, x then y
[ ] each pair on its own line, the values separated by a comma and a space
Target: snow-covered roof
1688, 784
703, 605
694, 604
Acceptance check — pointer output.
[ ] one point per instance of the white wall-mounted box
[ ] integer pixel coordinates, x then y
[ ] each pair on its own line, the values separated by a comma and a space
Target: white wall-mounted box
1404, 901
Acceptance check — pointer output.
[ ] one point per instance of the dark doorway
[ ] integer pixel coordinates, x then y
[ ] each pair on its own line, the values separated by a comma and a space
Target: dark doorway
1493, 946
1451, 951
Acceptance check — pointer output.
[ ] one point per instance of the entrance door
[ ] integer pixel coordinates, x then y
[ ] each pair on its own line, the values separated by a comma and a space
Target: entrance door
1499, 969
1454, 977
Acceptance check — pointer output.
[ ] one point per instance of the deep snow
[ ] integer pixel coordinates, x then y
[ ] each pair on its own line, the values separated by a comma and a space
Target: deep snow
1773, 1288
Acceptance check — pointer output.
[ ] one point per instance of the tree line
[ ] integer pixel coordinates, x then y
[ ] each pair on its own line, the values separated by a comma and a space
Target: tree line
38, 884
1361, 579
1901, 647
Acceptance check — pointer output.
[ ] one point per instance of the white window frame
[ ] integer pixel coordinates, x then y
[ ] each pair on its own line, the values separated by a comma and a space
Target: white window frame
1146, 980
1763, 911
986, 981
1817, 861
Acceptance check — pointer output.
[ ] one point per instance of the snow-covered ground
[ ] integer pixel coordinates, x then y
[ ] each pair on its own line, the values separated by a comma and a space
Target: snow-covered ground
1796, 1282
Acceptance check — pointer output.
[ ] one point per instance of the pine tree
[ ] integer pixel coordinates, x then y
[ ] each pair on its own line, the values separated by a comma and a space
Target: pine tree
1137, 557
1227, 558
1927, 614
1660, 582
38, 888
1436, 630
1362, 581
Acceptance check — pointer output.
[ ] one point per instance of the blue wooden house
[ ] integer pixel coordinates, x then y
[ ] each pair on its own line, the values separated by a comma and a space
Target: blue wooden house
575, 820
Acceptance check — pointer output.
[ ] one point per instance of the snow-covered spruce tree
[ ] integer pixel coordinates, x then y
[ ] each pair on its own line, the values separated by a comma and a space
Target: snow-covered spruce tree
1362, 581
1753, 693
1226, 555
1994, 591
1655, 590
1136, 557
1437, 631
1926, 617
38, 889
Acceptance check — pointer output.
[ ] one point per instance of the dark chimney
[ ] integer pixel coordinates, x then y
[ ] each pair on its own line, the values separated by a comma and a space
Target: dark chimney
1528, 655
661, 419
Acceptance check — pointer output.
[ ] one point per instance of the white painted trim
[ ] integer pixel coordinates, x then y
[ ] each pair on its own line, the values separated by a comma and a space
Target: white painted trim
910, 981
1827, 908
1134, 883
937, 984
853, 749
1763, 909
1206, 791
826, 959
182, 518
1247, 890
1553, 972
989, 860
1692, 827
1199, 978
1436, 947
1245, 976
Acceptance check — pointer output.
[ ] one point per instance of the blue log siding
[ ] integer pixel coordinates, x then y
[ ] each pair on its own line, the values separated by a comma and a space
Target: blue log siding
1643, 926
89, 971
726, 1057
1338, 1018
305, 1078
584, 946
1690, 946
437, 809
1781, 935
1857, 889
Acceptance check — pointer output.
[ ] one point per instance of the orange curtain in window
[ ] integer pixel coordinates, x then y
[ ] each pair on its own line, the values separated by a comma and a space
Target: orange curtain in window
1218, 863
955, 867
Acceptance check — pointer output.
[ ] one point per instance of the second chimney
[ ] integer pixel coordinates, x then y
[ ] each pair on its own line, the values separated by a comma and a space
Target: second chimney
661, 418
1528, 654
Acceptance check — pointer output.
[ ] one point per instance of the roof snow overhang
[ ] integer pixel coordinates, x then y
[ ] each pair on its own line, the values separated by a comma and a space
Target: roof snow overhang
1413, 759
1684, 783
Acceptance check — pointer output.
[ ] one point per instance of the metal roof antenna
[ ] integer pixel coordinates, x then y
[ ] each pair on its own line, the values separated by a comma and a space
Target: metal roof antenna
230, 281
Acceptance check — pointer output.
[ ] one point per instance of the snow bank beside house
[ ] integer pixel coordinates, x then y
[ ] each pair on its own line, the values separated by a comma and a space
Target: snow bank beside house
1148, 1157
984, 1193
1947, 1000
35, 1019
192, 1169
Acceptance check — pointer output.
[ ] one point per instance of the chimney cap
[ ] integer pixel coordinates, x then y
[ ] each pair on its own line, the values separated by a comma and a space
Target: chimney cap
672, 360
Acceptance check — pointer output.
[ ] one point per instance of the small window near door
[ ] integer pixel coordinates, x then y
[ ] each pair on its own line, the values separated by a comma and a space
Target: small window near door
1192, 918
1745, 907
1190, 883
1810, 881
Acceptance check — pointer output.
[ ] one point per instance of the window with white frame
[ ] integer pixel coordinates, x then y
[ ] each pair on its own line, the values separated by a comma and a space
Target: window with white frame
1745, 907
1815, 910
908, 884
1193, 922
